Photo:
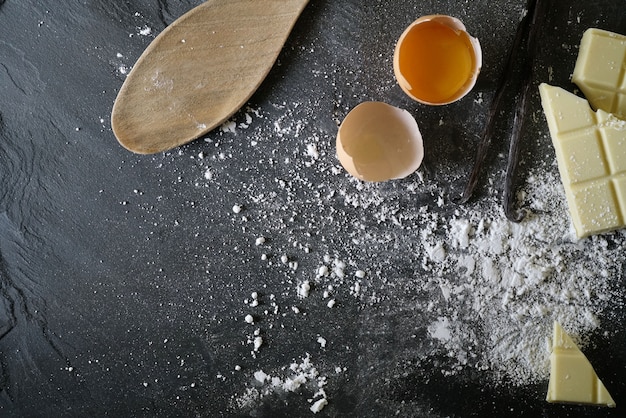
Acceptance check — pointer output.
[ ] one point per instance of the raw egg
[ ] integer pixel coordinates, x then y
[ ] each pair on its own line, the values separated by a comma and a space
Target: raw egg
436, 61
379, 142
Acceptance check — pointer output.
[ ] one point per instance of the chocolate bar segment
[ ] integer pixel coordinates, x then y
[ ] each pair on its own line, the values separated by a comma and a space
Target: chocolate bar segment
600, 70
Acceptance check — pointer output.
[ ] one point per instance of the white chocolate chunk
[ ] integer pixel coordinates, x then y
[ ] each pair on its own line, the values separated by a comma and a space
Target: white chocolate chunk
600, 70
591, 153
572, 378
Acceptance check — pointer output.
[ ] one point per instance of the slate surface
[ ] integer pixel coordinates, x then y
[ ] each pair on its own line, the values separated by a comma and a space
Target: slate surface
123, 277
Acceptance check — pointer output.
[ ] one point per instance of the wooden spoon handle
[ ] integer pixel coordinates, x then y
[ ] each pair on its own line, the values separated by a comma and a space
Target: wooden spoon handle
200, 70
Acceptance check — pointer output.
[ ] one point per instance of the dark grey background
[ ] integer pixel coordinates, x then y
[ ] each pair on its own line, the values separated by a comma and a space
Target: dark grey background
118, 270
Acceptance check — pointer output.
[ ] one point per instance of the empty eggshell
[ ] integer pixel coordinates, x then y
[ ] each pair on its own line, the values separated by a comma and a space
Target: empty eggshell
436, 62
379, 142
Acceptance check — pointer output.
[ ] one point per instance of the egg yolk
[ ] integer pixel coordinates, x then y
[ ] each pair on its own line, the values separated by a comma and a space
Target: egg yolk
435, 61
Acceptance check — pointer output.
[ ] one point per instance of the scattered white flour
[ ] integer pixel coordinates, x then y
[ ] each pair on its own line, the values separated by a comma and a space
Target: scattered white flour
321, 341
255, 299
260, 376
319, 405
490, 288
228, 126
144, 30
440, 280
298, 376
304, 289
231, 125
440, 330
258, 342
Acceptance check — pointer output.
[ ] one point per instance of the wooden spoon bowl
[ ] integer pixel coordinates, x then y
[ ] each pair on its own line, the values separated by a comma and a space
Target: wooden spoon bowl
199, 71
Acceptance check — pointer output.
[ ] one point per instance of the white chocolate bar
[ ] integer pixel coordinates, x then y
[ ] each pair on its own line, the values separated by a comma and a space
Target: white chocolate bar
591, 154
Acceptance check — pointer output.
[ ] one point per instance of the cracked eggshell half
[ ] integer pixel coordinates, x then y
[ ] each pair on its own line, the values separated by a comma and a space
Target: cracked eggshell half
436, 61
379, 142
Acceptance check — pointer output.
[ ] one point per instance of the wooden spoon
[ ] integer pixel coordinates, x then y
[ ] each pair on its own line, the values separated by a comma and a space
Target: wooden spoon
199, 71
